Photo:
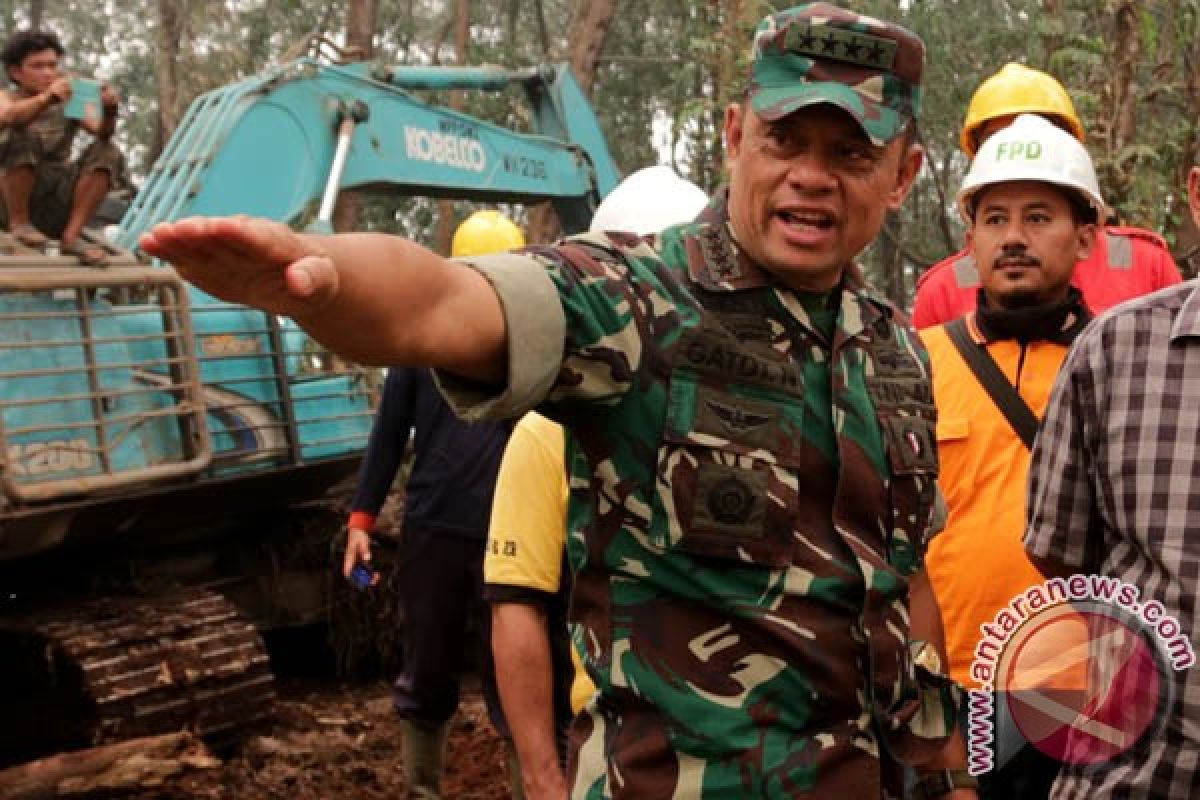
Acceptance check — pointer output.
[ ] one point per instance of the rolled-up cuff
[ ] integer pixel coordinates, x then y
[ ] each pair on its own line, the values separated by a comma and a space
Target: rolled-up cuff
917, 731
535, 327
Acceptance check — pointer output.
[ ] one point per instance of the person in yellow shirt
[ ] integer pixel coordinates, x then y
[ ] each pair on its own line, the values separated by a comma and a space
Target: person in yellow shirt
527, 582
1031, 203
540, 678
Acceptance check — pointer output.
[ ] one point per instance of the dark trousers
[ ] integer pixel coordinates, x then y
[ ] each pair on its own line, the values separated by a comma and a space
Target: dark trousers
440, 580
1028, 775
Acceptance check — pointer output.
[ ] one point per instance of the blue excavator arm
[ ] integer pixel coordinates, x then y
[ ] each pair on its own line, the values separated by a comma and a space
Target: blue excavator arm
282, 144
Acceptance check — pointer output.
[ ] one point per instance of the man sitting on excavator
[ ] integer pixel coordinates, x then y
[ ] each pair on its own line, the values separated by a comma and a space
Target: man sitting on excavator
45, 193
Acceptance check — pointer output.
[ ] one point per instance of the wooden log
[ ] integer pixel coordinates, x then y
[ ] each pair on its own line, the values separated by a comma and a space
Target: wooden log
109, 769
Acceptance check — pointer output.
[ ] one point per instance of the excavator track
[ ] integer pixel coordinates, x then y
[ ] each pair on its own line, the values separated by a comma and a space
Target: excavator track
188, 661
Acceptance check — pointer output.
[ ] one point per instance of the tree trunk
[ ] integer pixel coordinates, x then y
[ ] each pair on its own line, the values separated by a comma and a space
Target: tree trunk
1187, 235
705, 170
35, 14
939, 171
1168, 46
589, 30
444, 235
108, 770
360, 35
891, 260
410, 25
1123, 99
543, 35
360, 26
729, 13
1128, 51
1052, 40
171, 22
512, 20
462, 44
738, 20
443, 33
724, 62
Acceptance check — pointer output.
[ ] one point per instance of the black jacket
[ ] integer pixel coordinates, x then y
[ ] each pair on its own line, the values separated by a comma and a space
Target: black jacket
455, 463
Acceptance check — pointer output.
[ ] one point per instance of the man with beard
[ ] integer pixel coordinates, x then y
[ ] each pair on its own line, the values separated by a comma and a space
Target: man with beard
1124, 262
1032, 203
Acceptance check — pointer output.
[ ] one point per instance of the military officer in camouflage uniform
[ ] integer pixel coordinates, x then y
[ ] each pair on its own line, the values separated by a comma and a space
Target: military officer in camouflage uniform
753, 485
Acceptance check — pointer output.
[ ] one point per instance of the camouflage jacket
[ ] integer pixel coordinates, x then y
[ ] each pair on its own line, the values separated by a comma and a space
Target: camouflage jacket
747, 503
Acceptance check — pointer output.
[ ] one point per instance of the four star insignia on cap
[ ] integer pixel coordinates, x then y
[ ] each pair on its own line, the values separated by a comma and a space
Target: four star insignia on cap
840, 44
807, 39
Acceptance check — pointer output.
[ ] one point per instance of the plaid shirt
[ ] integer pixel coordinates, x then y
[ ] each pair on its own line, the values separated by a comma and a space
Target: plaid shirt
1115, 489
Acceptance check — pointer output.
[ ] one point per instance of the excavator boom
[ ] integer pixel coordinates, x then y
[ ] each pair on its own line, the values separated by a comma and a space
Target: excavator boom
269, 145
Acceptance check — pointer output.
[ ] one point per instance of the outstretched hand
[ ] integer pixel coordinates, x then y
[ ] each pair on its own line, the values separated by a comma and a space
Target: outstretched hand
256, 262
373, 298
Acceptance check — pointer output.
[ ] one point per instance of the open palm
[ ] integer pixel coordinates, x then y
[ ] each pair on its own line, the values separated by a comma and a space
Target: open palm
247, 260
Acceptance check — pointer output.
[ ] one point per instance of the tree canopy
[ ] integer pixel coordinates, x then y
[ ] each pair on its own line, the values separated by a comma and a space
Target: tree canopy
663, 71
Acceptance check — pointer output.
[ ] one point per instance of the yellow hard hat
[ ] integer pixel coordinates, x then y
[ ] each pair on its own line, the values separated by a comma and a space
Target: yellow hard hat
486, 232
1018, 89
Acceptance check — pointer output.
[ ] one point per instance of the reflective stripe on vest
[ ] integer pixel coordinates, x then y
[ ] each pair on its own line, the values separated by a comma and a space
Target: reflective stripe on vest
966, 274
1120, 256
1120, 251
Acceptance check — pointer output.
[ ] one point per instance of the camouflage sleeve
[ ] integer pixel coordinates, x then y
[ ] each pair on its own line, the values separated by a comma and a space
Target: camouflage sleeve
535, 327
615, 296
920, 727
578, 317
938, 701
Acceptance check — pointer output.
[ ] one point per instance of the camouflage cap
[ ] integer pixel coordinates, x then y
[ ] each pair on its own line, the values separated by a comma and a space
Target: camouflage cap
819, 53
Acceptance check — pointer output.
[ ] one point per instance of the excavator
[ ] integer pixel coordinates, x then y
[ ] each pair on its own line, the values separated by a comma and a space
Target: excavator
166, 457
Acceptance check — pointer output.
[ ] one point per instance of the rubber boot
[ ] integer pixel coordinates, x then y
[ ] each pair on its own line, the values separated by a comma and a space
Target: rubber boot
424, 746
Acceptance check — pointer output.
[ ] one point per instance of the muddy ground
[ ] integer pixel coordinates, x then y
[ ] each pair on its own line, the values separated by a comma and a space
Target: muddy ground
339, 738
333, 740
332, 737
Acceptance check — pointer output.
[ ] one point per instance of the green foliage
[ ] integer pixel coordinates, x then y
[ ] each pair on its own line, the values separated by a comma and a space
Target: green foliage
1142, 164
657, 78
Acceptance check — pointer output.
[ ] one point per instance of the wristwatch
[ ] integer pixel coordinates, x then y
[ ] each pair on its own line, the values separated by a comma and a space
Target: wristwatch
935, 785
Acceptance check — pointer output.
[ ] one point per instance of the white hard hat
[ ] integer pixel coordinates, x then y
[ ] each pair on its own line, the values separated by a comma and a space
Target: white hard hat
648, 201
1032, 149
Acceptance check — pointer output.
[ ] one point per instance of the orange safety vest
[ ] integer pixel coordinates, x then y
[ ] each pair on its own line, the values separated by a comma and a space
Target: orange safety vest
977, 564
